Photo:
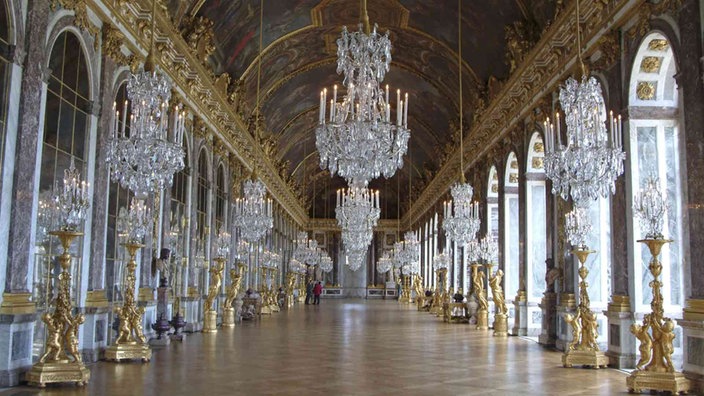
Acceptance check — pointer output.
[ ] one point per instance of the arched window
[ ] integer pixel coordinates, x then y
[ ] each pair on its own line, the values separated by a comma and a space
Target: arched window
221, 199
202, 215
5, 69
536, 219
65, 136
654, 151
511, 227
492, 203
118, 197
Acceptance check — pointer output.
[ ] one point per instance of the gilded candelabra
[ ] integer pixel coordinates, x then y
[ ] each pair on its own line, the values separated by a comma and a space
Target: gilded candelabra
210, 324
655, 370
290, 286
228, 311
501, 315
131, 343
264, 292
418, 289
405, 289
61, 361
584, 349
479, 294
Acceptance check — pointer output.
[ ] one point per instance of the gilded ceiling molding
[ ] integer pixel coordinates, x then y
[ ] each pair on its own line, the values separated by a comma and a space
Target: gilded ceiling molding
112, 47
609, 47
196, 84
330, 225
542, 71
647, 11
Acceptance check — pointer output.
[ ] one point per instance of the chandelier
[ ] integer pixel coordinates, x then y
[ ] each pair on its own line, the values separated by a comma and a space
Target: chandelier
301, 251
69, 204
462, 223
357, 213
488, 249
143, 159
312, 256
384, 264
586, 167
222, 244
410, 253
357, 139
650, 206
325, 263
355, 258
269, 259
253, 212
577, 227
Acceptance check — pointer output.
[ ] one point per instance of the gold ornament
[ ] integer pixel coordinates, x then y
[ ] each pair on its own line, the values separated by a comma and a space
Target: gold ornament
583, 350
211, 315
478, 290
61, 361
131, 343
655, 370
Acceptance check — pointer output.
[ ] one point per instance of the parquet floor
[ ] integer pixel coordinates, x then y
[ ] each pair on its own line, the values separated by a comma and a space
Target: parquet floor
347, 347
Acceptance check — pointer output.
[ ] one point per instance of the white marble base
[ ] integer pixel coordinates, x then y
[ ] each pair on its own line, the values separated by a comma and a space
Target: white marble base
16, 337
622, 345
693, 349
520, 321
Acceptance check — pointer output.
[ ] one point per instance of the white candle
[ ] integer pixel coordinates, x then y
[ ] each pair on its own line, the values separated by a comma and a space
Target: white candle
405, 111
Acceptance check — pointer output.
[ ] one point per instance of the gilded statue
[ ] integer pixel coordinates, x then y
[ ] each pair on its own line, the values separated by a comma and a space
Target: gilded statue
125, 332
576, 330
478, 287
646, 343
53, 347
215, 280
236, 282
71, 337
590, 331
418, 286
667, 338
497, 292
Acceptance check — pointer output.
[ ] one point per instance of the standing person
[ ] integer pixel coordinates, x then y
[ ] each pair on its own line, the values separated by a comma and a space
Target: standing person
317, 291
309, 291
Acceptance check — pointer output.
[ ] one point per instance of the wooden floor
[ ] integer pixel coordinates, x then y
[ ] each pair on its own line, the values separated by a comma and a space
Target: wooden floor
347, 347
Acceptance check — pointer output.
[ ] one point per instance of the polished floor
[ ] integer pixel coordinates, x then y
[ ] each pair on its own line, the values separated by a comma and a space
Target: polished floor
347, 347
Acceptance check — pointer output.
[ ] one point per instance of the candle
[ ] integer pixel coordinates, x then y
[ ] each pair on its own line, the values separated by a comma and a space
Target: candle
334, 99
405, 111
321, 113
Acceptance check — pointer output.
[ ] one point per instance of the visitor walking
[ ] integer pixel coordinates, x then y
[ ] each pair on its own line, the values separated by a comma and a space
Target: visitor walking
309, 291
317, 291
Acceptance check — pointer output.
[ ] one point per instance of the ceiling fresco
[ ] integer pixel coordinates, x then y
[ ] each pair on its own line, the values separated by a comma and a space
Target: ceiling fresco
299, 59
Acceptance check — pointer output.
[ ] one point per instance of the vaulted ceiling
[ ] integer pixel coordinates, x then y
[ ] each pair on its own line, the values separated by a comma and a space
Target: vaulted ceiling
299, 59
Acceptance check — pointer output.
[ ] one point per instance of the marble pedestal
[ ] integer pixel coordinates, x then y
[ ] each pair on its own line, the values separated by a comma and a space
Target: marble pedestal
520, 321
95, 333
190, 309
16, 335
622, 344
482, 320
548, 305
210, 324
500, 325
693, 350
228, 317
567, 304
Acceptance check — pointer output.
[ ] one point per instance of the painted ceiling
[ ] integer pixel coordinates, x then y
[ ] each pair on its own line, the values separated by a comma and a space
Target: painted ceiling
299, 59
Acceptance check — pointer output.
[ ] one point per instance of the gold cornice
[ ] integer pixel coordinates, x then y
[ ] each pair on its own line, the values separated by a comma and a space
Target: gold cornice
541, 71
331, 225
196, 85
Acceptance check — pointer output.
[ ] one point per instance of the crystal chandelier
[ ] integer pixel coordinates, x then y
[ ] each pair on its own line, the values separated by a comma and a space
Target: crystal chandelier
356, 258
461, 216
357, 213
577, 227
312, 253
384, 264
357, 138
143, 159
472, 250
222, 244
71, 202
242, 250
410, 254
650, 206
462, 223
325, 263
301, 251
253, 212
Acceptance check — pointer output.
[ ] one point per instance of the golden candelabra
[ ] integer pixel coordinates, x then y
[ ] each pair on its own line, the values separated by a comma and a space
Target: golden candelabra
273, 291
418, 289
300, 281
405, 289
655, 370
501, 315
264, 293
290, 286
479, 294
228, 311
61, 361
210, 322
584, 349
131, 343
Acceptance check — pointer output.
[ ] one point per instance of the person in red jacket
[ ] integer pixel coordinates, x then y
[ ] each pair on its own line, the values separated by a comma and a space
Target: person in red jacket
317, 291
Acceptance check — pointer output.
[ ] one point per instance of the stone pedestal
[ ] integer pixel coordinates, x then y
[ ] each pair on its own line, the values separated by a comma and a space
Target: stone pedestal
210, 324
520, 322
693, 343
190, 309
567, 304
96, 323
17, 323
500, 325
548, 305
621, 343
228, 317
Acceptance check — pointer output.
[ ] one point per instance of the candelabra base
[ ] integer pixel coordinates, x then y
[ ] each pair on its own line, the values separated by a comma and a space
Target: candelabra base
500, 325
265, 310
595, 359
57, 372
274, 308
674, 382
228, 317
128, 351
210, 322
483, 320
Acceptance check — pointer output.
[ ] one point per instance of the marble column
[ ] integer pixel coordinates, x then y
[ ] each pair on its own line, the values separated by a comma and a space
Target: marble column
17, 318
689, 80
